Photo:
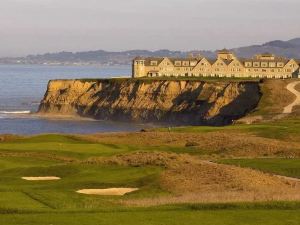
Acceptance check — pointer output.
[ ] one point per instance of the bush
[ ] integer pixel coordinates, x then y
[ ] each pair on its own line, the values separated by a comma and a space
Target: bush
191, 144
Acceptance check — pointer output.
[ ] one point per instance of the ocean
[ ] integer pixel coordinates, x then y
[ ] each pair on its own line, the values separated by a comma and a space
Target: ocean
23, 86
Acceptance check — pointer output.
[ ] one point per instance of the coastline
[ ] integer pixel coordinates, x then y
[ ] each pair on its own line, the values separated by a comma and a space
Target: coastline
56, 116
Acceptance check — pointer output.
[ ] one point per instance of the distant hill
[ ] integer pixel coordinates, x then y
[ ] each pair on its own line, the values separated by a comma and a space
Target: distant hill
289, 49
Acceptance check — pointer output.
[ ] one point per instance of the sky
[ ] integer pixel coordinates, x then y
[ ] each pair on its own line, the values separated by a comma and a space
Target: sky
40, 26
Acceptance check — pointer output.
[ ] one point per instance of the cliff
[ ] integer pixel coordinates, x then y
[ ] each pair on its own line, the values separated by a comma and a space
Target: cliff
165, 101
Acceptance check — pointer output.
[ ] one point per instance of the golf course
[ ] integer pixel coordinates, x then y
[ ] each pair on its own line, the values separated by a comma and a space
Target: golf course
153, 165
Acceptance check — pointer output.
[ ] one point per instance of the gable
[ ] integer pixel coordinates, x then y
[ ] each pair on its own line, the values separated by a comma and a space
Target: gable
236, 63
166, 62
219, 63
203, 63
291, 64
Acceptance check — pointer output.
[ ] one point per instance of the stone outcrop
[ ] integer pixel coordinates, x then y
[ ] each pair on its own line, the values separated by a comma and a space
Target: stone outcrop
164, 101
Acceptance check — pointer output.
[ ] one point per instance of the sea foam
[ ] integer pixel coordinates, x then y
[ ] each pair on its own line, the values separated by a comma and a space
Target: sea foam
15, 112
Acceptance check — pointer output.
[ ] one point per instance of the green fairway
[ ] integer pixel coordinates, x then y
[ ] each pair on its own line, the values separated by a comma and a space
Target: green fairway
159, 217
285, 167
62, 146
283, 129
56, 202
45, 156
61, 194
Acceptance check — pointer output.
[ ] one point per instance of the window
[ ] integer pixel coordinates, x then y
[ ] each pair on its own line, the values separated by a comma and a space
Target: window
248, 64
280, 64
193, 63
256, 64
177, 63
140, 62
264, 64
153, 63
185, 63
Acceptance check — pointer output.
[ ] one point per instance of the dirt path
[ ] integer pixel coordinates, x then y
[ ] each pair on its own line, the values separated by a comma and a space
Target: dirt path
291, 88
288, 178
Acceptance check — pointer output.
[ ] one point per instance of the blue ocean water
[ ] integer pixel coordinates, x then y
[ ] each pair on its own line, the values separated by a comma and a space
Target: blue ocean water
23, 86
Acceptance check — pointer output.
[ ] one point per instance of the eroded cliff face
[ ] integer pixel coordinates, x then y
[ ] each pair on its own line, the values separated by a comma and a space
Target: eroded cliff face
177, 102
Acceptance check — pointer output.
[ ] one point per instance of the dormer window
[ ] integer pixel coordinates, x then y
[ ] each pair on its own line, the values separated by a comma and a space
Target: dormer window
248, 64
193, 63
185, 63
177, 63
153, 63
256, 64
264, 64
280, 64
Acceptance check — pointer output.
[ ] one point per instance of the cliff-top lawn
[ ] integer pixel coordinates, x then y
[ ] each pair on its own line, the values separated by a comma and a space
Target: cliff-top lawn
56, 202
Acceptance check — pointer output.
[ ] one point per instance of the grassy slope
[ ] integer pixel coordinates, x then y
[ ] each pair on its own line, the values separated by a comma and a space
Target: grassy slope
275, 97
285, 167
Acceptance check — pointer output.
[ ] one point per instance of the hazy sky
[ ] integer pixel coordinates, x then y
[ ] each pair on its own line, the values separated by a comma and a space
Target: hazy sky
38, 26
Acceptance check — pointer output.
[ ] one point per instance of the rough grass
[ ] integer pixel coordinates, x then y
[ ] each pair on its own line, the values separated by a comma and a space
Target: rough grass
242, 141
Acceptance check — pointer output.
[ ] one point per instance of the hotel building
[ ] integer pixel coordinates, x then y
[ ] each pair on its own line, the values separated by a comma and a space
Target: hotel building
225, 65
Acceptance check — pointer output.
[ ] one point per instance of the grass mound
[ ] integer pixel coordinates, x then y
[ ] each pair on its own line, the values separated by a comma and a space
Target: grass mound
208, 177
238, 141
190, 179
140, 159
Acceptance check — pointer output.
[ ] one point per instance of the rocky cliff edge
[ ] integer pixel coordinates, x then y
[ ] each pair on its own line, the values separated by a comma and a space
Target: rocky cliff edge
159, 101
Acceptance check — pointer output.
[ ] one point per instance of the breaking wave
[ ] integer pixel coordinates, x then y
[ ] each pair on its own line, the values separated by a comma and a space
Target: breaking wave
15, 112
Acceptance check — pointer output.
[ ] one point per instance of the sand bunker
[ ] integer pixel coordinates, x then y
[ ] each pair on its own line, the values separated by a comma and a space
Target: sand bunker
109, 191
40, 178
